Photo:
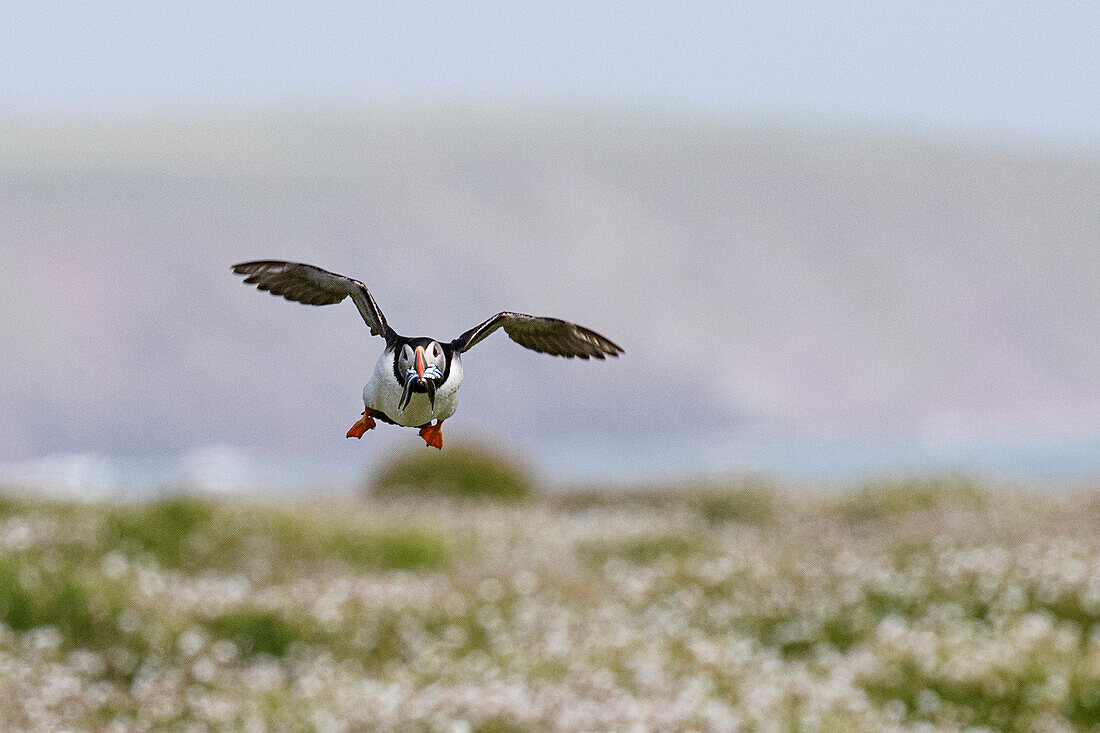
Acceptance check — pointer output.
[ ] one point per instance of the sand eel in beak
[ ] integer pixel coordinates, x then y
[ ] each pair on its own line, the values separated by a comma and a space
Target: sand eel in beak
416, 380
425, 375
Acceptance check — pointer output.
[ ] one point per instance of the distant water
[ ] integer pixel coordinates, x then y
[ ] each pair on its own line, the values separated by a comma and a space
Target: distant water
836, 458
801, 460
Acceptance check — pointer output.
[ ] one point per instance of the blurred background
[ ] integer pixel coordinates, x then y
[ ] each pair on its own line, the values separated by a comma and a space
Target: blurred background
836, 241
852, 251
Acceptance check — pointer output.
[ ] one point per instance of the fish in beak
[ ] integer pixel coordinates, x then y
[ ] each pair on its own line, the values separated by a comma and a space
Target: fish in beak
417, 372
407, 394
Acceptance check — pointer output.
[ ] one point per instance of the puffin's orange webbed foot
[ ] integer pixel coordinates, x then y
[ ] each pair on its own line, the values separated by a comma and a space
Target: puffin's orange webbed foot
433, 435
365, 423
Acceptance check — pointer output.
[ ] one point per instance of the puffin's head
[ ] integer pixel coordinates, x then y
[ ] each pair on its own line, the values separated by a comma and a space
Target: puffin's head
420, 364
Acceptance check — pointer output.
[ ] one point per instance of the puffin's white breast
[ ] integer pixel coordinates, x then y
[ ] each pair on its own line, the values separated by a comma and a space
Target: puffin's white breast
383, 393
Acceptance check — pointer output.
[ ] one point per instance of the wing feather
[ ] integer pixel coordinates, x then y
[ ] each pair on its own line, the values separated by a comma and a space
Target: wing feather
546, 335
313, 286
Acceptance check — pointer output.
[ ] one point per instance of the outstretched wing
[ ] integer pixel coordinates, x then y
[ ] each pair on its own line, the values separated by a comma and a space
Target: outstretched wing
547, 335
314, 286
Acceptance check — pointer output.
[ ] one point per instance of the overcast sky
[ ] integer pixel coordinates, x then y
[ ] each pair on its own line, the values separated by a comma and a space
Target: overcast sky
1003, 71
997, 237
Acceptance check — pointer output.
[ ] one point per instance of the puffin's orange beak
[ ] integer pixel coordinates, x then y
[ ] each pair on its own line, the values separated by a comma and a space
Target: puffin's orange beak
420, 363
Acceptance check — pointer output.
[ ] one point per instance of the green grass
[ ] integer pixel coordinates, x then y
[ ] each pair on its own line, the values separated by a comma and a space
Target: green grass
748, 502
165, 530
642, 549
897, 498
799, 581
397, 547
460, 472
500, 725
745, 504
10, 504
32, 596
191, 534
261, 632
1004, 703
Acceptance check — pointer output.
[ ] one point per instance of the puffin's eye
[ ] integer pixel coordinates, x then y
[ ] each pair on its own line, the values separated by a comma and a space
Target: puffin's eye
407, 352
435, 350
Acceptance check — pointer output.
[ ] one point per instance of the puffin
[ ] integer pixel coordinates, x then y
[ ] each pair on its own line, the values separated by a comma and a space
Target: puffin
416, 380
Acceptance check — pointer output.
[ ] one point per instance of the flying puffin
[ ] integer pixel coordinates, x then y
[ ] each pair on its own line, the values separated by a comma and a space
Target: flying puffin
416, 380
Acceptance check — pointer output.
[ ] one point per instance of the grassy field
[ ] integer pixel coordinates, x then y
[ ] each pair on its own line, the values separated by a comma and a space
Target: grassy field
930, 605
